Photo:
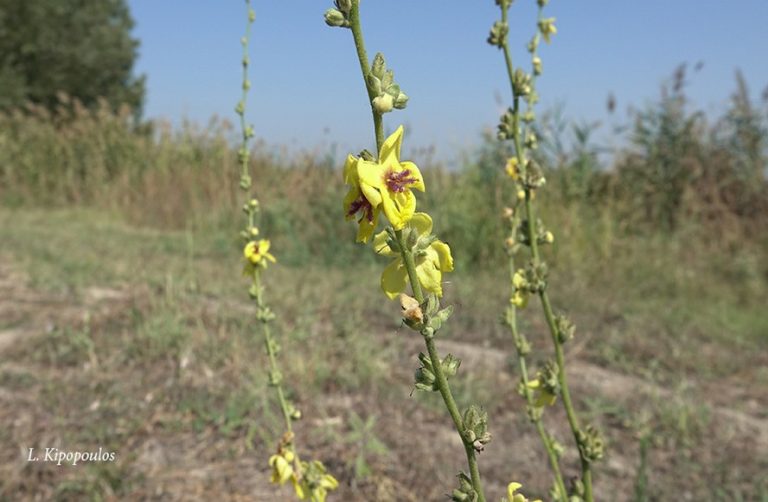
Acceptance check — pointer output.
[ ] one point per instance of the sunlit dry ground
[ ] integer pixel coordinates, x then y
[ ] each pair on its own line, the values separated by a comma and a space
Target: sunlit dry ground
140, 342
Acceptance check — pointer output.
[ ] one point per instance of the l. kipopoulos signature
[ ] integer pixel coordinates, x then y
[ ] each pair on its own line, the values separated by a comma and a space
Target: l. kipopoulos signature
71, 457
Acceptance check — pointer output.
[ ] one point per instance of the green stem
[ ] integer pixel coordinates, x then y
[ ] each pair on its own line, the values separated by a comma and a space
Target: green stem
586, 474
442, 382
269, 343
537, 421
357, 35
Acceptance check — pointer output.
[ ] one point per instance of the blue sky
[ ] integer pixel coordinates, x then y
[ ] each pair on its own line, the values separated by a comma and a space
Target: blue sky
307, 89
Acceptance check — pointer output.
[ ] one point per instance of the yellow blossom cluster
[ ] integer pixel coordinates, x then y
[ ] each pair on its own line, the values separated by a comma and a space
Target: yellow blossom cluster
386, 185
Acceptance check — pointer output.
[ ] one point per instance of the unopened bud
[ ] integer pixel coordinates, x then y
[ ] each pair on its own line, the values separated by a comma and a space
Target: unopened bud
335, 18
384, 103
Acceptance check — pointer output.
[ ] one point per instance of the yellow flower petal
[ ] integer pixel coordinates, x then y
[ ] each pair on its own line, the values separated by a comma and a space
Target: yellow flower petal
392, 145
380, 245
281, 469
399, 208
418, 184
350, 170
367, 227
444, 255
512, 488
422, 222
393, 279
371, 174
352, 195
430, 277
301, 492
329, 482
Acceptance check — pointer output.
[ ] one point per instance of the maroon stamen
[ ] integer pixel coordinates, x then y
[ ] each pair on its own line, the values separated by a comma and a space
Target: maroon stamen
398, 182
361, 204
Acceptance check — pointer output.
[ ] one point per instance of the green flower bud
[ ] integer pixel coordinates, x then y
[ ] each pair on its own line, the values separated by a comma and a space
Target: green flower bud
547, 28
565, 328
335, 18
374, 83
465, 492
591, 444
533, 44
344, 5
450, 365
521, 83
401, 101
251, 15
379, 66
476, 427
275, 378
498, 34
536, 61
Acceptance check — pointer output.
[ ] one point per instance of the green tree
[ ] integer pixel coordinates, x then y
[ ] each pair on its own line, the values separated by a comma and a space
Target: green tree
83, 48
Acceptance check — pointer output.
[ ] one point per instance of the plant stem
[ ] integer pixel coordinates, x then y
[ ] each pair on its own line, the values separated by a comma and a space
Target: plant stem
274, 371
537, 421
586, 473
442, 382
357, 35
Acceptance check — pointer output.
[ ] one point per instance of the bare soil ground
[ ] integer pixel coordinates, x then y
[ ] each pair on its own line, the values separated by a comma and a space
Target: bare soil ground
50, 397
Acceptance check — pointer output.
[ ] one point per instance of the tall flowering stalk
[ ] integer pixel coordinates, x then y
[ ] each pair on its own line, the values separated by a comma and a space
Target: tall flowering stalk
386, 184
309, 479
527, 230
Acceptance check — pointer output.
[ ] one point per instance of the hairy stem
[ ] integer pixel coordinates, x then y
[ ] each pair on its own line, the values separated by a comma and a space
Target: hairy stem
442, 382
365, 69
586, 474
537, 420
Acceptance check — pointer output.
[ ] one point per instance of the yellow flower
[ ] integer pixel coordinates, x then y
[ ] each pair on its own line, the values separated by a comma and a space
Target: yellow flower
281, 467
301, 490
515, 497
543, 396
513, 168
257, 253
356, 201
547, 28
520, 296
389, 181
326, 484
432, 258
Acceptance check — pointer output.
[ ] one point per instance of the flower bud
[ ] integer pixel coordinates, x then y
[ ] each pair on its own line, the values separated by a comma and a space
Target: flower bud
547, 28
335, 18
521, 83
344, 5
536, 65
374, 83
401, 101
379, 65
498, 34
591, 444
383, 103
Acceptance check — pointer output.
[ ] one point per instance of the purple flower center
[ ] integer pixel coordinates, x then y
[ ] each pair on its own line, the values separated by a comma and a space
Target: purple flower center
361, 204
399, 182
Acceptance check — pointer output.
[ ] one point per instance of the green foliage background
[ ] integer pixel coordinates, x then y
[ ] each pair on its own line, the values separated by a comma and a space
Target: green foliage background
78, 48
